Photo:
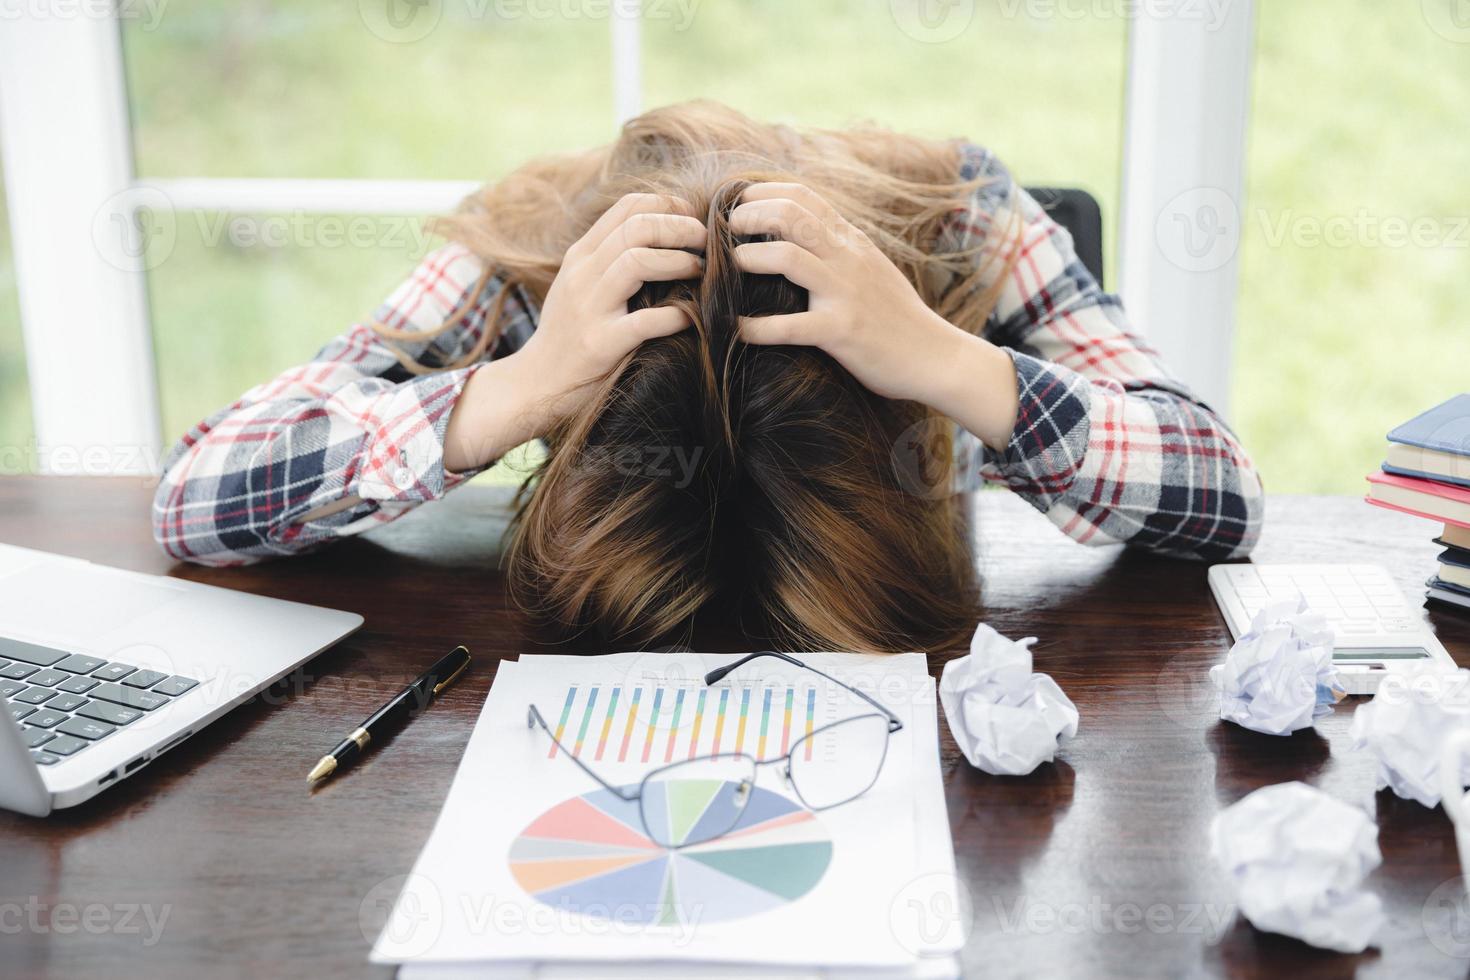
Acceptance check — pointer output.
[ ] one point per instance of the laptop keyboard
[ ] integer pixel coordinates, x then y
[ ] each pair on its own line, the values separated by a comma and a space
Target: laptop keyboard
66, 702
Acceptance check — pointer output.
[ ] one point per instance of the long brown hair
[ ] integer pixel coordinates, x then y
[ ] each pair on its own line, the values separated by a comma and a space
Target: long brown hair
706, 472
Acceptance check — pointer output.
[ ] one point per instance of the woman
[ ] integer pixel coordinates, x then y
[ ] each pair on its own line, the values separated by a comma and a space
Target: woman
737, 340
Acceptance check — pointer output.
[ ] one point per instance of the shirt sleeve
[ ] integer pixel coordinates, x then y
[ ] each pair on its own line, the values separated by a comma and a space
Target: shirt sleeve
351, 435
1107, 443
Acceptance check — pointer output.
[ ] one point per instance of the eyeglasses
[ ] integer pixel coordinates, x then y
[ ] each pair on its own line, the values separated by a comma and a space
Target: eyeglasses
700, 799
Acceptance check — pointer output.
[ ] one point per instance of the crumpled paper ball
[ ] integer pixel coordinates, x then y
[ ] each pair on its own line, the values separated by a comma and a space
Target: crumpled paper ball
1006, 719
1297, 858
1279, 677
1415, 710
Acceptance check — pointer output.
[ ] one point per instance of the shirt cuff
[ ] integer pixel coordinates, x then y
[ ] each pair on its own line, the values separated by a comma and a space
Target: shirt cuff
403, 457
1049, 442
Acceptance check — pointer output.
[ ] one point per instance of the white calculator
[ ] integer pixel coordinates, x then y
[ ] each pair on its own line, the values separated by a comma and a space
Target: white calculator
1377, 630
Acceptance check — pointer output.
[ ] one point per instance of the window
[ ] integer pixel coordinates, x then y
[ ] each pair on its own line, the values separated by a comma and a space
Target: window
935, 69
1354, 283
327, 91
15, 401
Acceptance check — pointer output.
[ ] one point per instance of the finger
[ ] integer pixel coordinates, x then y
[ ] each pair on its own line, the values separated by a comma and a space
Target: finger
630, 270
651, 230
782, 259
627, 206
788, 220
654, 321
800, 193
783, 328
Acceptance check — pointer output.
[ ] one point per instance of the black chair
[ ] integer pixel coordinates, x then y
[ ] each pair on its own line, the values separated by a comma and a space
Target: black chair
1078, 212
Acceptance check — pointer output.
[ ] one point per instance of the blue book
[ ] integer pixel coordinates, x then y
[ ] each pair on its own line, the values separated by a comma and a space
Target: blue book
1454, 556
1435, 445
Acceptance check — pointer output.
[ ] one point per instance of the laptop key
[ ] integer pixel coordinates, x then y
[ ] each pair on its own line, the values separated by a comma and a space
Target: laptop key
113, 672
143, 678
44, 758
129, 698
113, 714
77, 685
47, 717
34, 695
37, 737
19, 711
7, 688
80, 664
17, 671
66, 744
66, 702
175, 686
82, 728
49, 677
30, 653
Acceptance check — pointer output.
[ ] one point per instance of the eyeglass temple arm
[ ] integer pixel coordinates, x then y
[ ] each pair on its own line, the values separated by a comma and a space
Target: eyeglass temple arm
533, 718
720, 673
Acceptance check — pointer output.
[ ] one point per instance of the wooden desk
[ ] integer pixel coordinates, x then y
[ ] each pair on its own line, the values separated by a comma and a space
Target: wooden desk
1096, 865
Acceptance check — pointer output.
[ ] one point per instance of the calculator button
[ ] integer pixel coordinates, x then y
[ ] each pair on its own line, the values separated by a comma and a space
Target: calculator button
37, 737
144, 678
112, 672
175, 686
65, 744
66, 702
79, 664
111, 713
47, 717
129, 698
49, 677
34, 695
30, 653
82, 728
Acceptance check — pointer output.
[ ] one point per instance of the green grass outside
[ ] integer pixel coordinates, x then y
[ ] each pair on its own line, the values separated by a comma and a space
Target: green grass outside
1356, 105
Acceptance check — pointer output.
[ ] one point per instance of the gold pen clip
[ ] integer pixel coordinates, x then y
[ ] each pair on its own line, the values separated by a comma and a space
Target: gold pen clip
454, 676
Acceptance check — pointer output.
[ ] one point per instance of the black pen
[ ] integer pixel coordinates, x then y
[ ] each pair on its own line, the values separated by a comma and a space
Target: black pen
405, 705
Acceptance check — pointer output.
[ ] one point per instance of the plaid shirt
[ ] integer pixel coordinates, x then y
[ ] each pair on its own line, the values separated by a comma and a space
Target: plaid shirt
1106, 444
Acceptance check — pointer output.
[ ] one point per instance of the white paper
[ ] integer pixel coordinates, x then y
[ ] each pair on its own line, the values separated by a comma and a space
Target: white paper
934, 911
1006, 719
1297, 859
481, 911
1279, 677
1412, 714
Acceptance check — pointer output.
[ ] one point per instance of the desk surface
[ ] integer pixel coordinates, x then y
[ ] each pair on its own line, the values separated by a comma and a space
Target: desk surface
1095, 865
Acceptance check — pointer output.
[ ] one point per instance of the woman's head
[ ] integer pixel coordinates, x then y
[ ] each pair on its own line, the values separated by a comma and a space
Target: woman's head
707, 474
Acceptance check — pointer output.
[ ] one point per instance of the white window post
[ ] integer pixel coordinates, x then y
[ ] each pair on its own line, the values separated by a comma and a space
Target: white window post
627, 59
78, 259
1188, 103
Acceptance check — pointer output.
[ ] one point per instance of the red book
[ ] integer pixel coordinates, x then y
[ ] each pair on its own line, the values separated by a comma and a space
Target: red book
1422, 498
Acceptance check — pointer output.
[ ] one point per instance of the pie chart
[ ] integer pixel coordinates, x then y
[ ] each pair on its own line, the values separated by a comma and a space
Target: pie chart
590, 856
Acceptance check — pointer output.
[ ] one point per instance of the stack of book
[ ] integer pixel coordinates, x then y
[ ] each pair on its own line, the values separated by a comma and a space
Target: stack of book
1427, 473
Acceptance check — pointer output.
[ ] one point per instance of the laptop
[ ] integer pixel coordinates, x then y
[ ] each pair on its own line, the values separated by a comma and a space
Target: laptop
103, 670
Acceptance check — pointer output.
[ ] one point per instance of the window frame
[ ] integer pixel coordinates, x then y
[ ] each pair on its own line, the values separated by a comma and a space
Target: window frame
66, 148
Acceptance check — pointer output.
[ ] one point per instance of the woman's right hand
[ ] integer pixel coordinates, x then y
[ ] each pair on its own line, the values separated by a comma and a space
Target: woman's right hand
584, 329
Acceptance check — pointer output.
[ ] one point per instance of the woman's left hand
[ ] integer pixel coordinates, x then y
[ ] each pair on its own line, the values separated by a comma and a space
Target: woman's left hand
866, 314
